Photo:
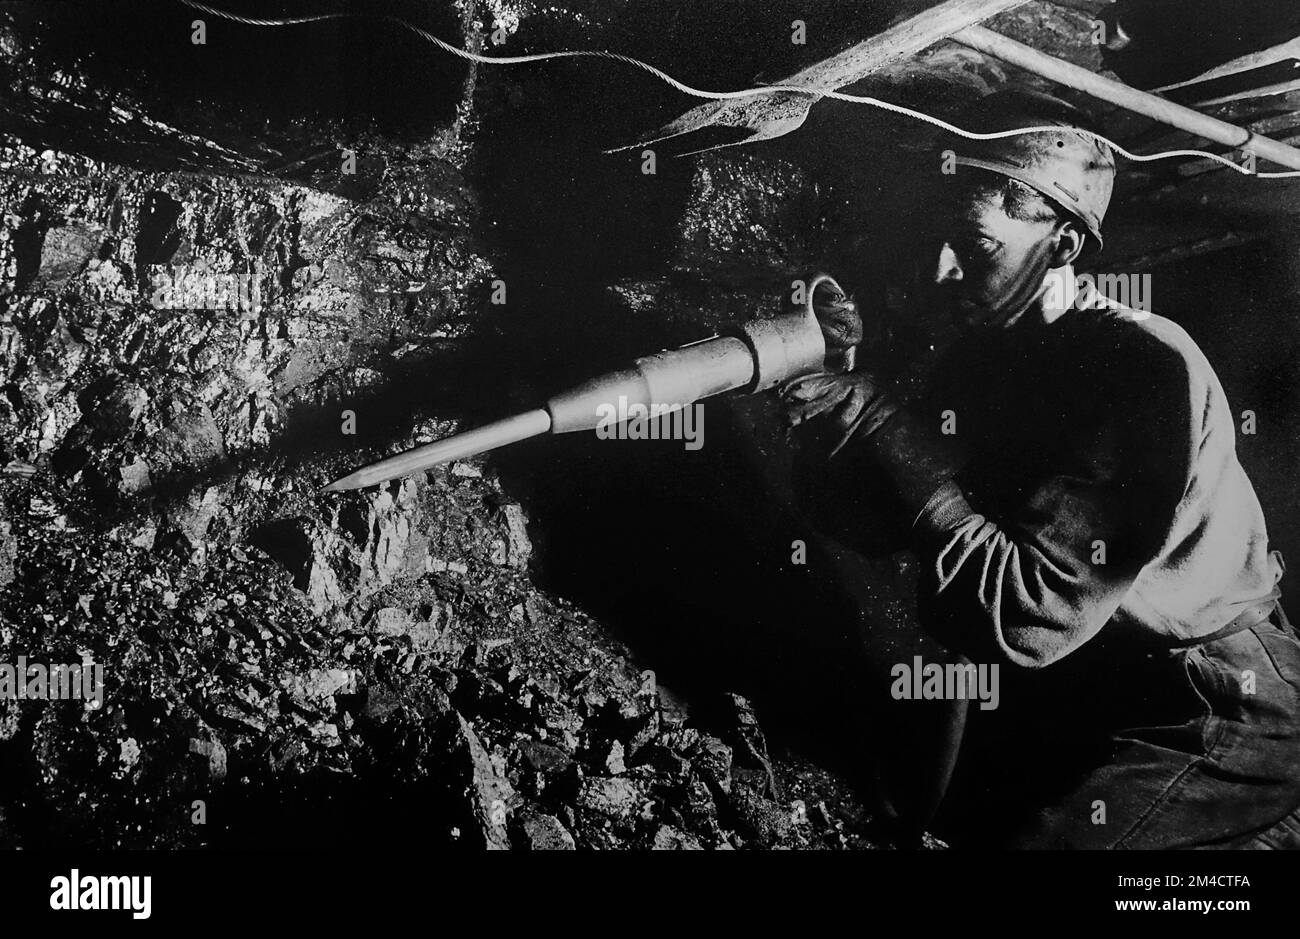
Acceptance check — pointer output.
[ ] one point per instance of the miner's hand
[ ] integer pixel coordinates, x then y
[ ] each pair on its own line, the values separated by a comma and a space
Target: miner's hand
845, 405
840, 321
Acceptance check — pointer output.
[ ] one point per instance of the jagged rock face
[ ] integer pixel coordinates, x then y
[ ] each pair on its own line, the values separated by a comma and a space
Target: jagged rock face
243, 299
187, 353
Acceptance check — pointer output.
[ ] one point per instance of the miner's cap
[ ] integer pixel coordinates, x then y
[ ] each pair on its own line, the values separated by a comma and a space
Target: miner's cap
1069, 167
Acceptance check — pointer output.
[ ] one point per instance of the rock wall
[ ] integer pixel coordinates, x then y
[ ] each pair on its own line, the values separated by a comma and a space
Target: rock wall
188, 352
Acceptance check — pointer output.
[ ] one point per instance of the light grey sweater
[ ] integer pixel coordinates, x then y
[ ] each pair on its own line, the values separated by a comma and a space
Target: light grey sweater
1099, 487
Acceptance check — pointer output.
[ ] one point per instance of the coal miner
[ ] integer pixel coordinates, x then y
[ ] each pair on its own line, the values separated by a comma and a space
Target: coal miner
1087, 526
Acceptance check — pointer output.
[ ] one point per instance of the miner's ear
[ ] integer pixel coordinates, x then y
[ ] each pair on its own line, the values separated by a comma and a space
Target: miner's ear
1069, 242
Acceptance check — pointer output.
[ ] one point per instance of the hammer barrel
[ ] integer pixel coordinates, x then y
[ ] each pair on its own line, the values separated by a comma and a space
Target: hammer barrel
666, 380
758, 356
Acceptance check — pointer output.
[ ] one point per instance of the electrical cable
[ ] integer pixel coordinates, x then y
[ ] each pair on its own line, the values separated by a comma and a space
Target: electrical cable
728, 95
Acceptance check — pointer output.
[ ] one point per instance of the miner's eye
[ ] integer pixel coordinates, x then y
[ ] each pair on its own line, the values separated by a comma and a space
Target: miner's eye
983, 247
976, 247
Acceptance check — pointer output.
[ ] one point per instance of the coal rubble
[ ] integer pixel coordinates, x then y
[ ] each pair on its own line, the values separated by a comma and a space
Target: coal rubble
501, 717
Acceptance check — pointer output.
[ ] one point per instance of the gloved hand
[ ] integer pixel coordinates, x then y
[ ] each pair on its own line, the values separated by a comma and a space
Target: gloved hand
840, 321
850, 405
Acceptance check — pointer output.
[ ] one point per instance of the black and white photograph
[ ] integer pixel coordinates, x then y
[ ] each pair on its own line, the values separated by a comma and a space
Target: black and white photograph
860, 434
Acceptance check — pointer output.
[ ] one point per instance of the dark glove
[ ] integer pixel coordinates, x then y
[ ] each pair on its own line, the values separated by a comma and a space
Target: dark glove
848, 405
840, 321
840, 408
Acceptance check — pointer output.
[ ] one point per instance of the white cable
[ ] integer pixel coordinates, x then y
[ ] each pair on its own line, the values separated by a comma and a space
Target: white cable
729, 95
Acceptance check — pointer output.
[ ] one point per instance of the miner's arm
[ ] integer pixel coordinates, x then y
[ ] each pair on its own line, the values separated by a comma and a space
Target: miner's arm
1021, 585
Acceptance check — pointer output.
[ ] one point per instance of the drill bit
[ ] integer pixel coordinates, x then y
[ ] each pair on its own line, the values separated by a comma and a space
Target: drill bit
488, 437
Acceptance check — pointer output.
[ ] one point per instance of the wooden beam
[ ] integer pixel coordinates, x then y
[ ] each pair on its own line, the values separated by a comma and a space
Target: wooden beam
1279, 53
1197, 167
898, 42
778, 113
1117, 93
1264, 91
1285, 122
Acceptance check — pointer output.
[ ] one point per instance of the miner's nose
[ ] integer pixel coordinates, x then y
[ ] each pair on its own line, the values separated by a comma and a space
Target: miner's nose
948, 268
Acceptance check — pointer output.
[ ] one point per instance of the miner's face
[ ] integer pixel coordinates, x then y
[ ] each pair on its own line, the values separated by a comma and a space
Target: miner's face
983, 266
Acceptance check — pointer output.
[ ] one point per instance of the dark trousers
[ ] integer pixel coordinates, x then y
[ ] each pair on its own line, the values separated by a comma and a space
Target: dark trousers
1120, 746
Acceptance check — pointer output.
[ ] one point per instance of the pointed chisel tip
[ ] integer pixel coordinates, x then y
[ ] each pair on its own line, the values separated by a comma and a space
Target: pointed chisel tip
339, 485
